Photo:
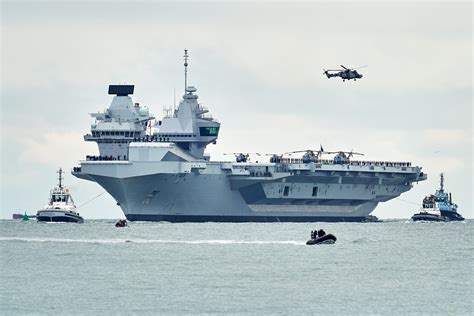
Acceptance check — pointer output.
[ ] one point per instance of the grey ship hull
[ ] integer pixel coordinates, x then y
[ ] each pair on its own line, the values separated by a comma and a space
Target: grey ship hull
224, 192
198, 198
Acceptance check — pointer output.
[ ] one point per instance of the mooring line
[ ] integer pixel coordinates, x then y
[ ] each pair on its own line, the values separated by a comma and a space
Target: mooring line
408, 201
91, 200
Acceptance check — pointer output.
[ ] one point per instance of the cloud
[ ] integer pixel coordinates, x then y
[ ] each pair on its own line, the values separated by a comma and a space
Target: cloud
53, 149
445, 137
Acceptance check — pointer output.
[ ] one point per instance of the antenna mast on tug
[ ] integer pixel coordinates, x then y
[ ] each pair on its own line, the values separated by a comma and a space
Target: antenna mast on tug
441, 182
60, 171
185, 69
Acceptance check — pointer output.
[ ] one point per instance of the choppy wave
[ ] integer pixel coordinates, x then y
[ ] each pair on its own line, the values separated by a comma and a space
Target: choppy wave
364, 240
153, 241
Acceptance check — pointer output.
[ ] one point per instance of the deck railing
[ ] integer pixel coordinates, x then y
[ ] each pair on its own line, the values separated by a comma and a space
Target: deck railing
284, 162
106, 158
352, 163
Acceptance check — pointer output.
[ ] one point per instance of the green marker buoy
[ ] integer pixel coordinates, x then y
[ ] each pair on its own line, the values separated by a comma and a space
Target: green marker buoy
26, 217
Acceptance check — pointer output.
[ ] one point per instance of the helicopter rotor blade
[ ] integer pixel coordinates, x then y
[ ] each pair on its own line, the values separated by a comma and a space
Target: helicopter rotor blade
301, 151
351, 153
274, 155
344, 67
360, 67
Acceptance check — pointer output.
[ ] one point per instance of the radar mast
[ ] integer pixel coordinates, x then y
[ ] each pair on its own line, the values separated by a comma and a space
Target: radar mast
185, 69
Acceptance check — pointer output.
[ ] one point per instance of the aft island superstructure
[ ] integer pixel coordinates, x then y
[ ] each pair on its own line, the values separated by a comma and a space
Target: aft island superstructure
166, 176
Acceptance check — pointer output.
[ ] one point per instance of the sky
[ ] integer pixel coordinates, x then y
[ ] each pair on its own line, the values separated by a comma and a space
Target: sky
258, 67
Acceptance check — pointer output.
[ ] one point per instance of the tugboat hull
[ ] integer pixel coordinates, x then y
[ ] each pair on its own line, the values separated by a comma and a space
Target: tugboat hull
429, 218
452, 216
48, 216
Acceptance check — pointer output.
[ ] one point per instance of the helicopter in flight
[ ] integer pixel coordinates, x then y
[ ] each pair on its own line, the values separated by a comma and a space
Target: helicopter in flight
345, 73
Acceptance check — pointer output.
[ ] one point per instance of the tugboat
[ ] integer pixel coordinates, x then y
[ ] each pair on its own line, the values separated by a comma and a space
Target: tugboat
61, 206
438, 207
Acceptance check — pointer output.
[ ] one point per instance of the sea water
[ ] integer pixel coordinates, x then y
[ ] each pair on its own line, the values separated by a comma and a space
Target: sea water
394, 267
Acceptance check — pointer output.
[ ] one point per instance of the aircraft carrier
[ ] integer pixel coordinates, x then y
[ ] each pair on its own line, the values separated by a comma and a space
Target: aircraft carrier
163, 174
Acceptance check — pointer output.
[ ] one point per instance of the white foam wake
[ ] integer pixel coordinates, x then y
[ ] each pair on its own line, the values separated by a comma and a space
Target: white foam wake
156, 241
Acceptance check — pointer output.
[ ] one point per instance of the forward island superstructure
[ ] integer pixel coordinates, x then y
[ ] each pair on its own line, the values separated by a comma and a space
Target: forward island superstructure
166, 176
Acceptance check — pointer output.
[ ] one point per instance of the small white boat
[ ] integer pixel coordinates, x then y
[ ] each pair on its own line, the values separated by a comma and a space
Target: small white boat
60, 207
